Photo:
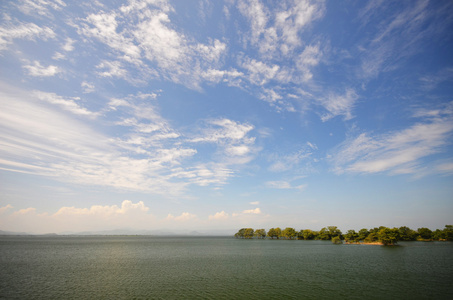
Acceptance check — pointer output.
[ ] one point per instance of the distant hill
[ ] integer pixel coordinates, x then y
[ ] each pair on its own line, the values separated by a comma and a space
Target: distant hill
162, 232
13, 233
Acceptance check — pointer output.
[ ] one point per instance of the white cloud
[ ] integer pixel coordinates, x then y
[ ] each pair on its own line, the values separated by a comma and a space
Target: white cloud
153, 47
104, 27
234, 145
40, 140
445, 167
40, 71
106, 211
255, 203
219, 216
39, 7
205, 174
184, 217
231, 134
112, 69
277, 31
398, 152
255, 211
281, 163
257, 15
284, 185
399, 34
69, 104
339, 105
69, 45
5, 208
28, 31
73, 219
259, 72
309, 58
87, 87
58, 56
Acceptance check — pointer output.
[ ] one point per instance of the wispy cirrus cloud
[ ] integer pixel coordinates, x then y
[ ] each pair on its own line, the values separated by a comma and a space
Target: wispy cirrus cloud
400, 34
276, 31
232, 139
152, 46
285, 185
40, 7
68, 104
148, 156
398, 152
27, 31
339, 105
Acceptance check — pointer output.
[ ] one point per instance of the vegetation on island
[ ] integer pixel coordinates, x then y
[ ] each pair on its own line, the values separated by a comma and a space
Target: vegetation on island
379, 235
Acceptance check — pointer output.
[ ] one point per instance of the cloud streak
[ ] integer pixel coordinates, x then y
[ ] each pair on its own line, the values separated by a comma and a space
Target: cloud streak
398, 152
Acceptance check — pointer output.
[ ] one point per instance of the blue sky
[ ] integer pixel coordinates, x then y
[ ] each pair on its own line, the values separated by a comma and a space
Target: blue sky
217, 115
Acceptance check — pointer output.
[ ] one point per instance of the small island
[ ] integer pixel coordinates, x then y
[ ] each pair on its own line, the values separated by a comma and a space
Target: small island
375, 236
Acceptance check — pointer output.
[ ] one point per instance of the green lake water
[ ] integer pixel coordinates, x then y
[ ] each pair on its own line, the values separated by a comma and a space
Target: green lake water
142, 267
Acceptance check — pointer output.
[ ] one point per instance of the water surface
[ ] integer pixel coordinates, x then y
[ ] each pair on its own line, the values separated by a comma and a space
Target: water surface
142, 267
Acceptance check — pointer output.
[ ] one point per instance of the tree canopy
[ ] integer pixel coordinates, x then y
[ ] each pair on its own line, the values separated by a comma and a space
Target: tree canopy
382, 235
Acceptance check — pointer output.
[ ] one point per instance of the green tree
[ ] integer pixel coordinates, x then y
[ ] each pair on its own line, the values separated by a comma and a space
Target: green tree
240, 233
278, 232
272, 234
324, 234
388, 236
289, 233
448, 232
260, 233
439, 235
300, 234
425, 233
407, 234
308, 234
248, 234
337, 240
351, 236
327, 233
334, 231
363, 234
371, 238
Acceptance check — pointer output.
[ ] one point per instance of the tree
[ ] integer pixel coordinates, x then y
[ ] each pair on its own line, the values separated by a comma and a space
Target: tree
448, 232
336, 240
308, 234
248, 233
439, 235
240, 233
407, 234
324, 234
371, 238
289, 233
388, 236
278, 232
300, 234
327, 233
271, 233
425, 233
351, 236
363, 234
260, 233
334, 231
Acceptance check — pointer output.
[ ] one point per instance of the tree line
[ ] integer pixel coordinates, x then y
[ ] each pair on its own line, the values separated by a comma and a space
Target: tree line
382, 234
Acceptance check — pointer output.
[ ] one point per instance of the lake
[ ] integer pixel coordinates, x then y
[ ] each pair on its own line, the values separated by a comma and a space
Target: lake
144, 267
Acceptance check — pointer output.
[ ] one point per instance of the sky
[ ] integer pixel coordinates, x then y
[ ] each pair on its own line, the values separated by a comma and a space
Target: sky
211, 116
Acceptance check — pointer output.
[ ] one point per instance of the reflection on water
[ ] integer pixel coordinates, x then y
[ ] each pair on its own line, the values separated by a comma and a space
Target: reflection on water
114, 267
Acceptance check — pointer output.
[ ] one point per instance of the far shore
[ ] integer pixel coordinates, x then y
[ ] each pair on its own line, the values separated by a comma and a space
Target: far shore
364, 243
